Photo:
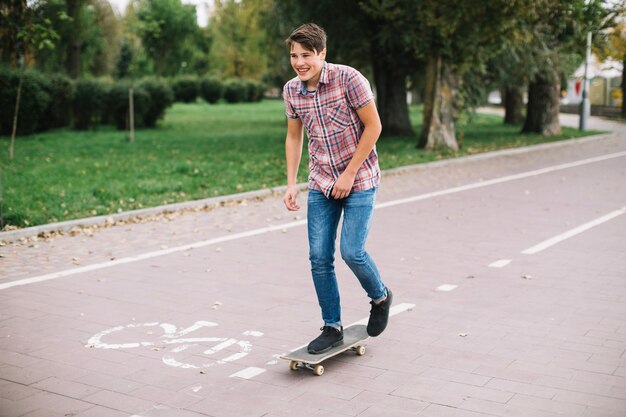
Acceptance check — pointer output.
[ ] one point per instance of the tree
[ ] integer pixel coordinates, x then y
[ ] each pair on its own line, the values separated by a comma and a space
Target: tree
368, 40
88, 41
558, 30
166, 28
239, 38
455, 39
74, 40
25, 35
124, 60
13, 16
392, 60
615, 48
510, 75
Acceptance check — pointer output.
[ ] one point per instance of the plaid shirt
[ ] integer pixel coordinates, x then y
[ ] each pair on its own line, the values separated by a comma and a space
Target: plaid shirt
333, 126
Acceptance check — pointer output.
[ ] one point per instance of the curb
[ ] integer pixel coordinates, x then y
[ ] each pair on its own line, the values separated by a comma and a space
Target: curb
29, 232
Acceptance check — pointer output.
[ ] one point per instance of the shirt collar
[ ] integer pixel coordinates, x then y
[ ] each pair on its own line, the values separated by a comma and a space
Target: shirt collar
324, 77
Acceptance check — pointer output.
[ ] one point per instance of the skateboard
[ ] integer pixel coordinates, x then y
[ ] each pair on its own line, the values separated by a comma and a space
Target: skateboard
353, 338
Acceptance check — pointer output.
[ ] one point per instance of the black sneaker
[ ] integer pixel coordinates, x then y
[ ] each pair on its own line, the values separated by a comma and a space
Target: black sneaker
379, 315
329, 338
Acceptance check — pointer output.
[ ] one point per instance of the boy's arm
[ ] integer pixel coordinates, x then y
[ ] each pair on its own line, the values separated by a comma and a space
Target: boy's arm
369, 116
293, 153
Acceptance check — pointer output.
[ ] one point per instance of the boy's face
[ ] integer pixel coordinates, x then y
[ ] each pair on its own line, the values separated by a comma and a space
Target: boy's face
307, 64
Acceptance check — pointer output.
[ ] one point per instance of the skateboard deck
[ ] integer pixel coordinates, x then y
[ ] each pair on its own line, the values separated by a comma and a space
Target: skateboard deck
353, 338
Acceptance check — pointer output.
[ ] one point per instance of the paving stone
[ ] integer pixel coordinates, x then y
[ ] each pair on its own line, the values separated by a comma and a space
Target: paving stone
542, 336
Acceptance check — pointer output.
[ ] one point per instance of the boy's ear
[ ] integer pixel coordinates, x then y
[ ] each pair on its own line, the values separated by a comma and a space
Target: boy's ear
323, 53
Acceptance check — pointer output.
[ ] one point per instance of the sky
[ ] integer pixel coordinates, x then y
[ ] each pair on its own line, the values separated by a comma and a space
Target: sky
202, 8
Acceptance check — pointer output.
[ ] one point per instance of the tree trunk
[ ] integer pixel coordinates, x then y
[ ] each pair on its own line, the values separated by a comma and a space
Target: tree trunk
542, 111
74, 43
440, 112
624, 87
391, 94
513, 100
15, 115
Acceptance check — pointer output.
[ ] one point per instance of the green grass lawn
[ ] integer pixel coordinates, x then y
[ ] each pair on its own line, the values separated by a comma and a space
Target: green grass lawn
198, 151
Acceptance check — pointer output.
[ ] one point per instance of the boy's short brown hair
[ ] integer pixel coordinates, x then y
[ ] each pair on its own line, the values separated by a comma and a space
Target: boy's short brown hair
310, 36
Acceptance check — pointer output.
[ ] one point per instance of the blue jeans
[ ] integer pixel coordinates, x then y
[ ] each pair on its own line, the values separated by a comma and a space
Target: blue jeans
323, 220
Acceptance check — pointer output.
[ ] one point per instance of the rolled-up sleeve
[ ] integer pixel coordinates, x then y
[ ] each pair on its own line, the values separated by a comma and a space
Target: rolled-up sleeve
290, 112
358, 92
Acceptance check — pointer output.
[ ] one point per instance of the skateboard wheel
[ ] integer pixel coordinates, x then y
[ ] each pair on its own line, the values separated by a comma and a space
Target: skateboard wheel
293, 365
318, 370
360, 350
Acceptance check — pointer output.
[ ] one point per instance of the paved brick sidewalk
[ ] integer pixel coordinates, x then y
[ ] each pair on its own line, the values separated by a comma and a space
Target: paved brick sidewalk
197, 332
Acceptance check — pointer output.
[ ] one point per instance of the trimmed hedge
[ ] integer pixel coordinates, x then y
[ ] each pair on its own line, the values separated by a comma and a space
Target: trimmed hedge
59, 111
89, 103
161, 97
34, 101
118, 104
185, 89
211, 89
235, 91
255, 92
53, 100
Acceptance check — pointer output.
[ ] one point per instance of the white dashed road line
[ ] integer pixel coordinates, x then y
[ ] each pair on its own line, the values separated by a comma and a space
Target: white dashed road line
573, 232
500, 263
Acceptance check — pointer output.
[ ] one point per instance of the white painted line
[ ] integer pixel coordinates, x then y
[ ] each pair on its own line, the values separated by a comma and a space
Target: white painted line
447, 287
573, 232
500, 264
501, 180
248, 373
149, 255
282, 227
397, 309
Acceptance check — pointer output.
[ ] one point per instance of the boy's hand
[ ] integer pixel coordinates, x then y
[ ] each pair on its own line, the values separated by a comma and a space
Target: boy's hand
343, 186
290, 198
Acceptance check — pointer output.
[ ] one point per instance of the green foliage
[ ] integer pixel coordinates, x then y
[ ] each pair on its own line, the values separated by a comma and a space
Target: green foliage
34, 101
167, 28
239, 48
124, 60
60, 88
88, 36
161, 97
186, 89
118, 104
211, 89
235, 91
254, 90
89, 103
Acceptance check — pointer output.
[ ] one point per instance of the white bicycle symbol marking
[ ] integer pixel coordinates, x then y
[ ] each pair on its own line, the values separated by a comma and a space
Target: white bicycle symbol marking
173, 336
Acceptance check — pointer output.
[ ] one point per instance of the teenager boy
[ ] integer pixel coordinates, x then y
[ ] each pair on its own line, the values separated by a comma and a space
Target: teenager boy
336, 106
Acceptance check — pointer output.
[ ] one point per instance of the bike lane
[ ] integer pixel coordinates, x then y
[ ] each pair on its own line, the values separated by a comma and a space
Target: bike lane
104, 342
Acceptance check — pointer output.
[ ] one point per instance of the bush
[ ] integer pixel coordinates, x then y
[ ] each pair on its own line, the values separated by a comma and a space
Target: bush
235, 91
118, 104
255, 92
211, 89
61, 91
34, 101
89, 103
161, 97
185, 89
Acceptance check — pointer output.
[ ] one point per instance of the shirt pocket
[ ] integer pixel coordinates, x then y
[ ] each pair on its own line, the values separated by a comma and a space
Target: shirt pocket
308, 120
339, 118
